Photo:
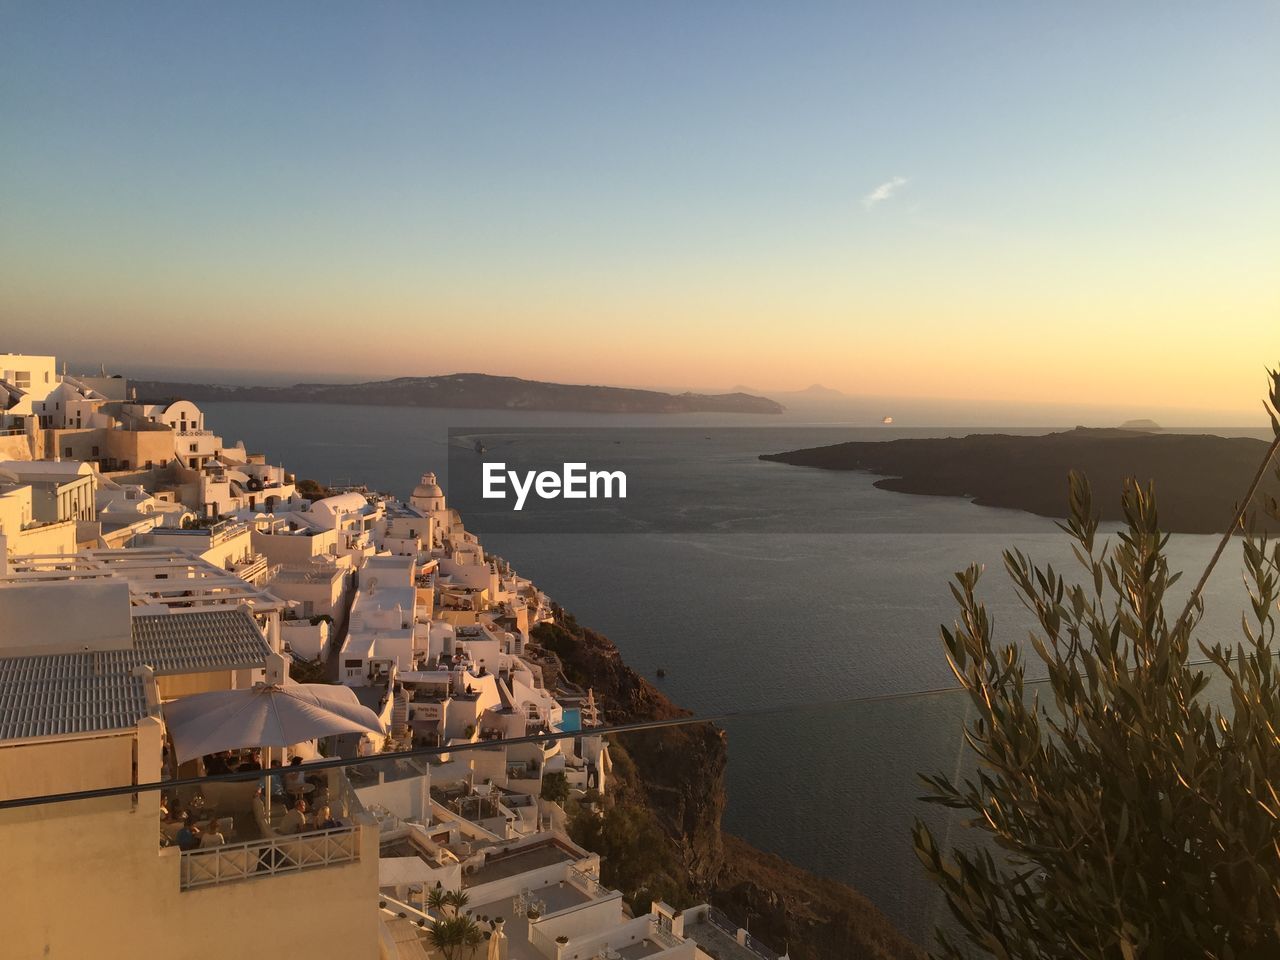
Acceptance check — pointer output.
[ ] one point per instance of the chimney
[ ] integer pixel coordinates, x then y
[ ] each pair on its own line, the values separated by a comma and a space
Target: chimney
275, 670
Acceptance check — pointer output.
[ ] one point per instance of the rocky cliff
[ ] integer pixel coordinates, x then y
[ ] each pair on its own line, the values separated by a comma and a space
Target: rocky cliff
663, 835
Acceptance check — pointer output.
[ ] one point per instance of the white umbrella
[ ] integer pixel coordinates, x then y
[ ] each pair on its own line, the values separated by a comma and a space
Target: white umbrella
266, 715
495, 942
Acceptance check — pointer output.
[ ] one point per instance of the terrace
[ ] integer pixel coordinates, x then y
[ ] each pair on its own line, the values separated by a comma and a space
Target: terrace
719, 936
528, 907
155, 575
628, 940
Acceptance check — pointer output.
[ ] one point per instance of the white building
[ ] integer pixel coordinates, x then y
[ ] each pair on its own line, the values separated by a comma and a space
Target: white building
82, 699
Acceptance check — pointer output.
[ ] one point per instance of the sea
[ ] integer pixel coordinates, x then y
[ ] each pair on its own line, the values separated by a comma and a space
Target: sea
800, 606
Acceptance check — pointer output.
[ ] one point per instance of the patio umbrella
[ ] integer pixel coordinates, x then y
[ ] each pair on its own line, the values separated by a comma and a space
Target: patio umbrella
265, 715
495, 942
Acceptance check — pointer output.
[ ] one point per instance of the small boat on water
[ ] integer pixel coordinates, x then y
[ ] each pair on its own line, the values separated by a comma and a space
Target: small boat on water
887, 420
480, 447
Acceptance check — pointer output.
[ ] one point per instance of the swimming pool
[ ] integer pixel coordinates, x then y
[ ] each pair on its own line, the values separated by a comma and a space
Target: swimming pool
572, 719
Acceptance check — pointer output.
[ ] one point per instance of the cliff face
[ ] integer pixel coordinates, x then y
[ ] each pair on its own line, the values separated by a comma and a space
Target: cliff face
677, 776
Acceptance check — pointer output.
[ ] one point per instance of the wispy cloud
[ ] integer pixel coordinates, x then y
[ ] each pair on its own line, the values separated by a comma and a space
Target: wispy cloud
883, 192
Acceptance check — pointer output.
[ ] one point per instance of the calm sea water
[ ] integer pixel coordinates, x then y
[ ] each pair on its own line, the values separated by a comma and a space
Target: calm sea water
761, 606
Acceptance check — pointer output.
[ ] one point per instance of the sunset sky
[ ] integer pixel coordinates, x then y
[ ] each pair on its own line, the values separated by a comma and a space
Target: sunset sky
1014, 202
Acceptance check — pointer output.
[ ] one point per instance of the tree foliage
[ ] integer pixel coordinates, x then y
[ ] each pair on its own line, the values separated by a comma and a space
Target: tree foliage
1125, 814
555, 787
636, 856
455, 937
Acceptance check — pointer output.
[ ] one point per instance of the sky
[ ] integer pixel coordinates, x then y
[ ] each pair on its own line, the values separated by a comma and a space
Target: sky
1020, 203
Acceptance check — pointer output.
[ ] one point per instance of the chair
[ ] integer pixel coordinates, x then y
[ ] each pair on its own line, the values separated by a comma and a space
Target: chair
260, 815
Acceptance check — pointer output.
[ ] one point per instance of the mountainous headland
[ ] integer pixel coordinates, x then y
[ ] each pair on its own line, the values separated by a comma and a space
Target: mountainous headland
1198, 478
476, 391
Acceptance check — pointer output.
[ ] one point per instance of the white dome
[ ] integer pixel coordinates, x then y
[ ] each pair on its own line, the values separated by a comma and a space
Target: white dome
428, 487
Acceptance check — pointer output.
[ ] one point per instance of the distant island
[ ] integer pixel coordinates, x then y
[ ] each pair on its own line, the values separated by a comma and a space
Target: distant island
471, 391
1199, 479
1144, 426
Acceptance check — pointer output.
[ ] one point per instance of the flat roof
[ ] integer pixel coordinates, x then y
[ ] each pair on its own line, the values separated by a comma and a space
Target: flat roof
156, 575
500, 864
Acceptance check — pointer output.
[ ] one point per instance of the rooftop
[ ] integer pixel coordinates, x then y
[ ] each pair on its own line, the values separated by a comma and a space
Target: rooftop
62, 694
192, 641
155, 575
68, 693
717, 936
500, 865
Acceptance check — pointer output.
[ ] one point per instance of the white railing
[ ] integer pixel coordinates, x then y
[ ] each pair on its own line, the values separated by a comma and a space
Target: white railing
663, 937
254, 571
544, 943
262, 858
727, 926
585, 882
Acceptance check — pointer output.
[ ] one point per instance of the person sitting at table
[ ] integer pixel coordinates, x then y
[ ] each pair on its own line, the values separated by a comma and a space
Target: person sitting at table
295, 821
324, 819
188, 837
250, 762
212, 837
215, 764
295, 781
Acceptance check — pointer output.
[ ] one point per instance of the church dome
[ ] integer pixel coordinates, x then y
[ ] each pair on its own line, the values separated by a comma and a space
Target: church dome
428, 487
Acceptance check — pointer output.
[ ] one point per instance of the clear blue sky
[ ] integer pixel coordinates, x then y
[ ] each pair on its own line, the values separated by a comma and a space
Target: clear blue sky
492, 186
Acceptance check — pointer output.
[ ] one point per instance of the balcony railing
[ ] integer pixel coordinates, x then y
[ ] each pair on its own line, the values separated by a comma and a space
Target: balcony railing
263, 858
663, 937
256, 570
543, 942
586, 883
729, 928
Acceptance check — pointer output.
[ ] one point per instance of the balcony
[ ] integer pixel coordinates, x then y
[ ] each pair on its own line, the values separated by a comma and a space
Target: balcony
269, 857
255, 570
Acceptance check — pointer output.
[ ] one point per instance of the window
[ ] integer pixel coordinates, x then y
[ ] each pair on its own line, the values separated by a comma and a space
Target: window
68, 453
95, 451
22, 379
195, 447
353, 664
